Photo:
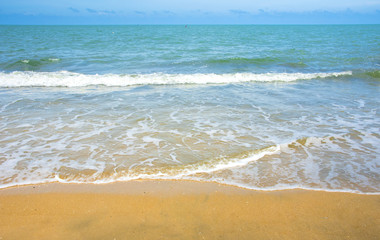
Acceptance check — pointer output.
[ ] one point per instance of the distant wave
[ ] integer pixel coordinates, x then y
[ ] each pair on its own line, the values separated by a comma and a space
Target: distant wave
30, 64
239, 60
71, 79
374, 74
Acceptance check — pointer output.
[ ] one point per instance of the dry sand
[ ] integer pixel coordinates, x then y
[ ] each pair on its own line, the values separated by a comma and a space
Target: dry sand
183, 210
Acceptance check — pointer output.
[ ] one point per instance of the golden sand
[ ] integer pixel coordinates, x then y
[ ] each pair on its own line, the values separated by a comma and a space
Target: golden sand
183, 210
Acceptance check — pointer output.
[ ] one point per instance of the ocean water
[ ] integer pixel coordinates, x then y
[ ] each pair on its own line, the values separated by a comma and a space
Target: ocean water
260, 107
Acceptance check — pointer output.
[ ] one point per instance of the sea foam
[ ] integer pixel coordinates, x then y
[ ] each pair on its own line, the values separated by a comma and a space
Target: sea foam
71, 79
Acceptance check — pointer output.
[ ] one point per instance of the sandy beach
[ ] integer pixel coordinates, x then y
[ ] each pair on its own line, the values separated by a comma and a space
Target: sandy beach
183, 210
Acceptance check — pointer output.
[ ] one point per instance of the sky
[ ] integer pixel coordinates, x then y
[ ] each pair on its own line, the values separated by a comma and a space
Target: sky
189, 11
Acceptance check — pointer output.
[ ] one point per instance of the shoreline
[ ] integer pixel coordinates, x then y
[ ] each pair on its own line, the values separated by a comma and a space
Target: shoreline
183, 210
116, 186
133, 187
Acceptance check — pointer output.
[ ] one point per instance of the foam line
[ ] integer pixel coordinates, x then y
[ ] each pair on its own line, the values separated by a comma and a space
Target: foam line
71, 79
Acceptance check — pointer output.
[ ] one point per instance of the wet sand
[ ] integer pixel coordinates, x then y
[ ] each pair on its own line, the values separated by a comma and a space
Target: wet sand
183, 210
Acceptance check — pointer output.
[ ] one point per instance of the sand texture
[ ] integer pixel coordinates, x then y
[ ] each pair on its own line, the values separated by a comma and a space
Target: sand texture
183, 210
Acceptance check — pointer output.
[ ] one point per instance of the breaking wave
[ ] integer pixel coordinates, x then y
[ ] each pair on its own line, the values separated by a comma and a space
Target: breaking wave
71, 79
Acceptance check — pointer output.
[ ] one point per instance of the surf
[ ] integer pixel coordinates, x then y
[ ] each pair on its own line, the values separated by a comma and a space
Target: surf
72, 79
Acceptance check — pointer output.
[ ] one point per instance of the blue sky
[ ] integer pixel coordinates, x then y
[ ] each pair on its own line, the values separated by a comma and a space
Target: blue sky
188, 11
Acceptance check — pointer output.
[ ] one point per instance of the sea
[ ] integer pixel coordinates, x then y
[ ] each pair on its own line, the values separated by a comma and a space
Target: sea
263, 107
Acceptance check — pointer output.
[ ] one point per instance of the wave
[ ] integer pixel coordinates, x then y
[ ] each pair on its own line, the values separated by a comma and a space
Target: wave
374, 74
71, 79
172, 172
70, 175
240, 60
211, 167
31, 64
34, 62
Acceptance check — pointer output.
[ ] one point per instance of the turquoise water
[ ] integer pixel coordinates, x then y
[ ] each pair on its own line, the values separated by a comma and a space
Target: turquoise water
261, 107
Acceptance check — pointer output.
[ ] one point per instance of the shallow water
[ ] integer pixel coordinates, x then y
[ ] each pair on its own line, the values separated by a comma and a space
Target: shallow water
261, 107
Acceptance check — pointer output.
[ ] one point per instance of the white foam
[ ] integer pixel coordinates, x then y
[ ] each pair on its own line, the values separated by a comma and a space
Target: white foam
281, 187
71, 79
204, 167
149, 139
190, 170
232, 163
